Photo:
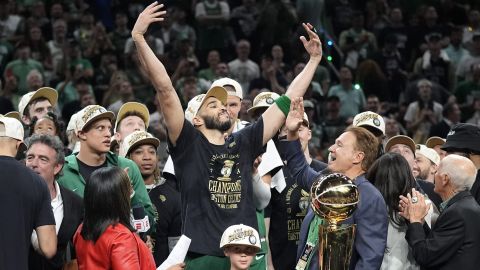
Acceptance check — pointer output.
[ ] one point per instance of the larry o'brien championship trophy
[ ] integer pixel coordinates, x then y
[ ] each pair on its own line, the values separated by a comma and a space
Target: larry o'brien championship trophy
334, 199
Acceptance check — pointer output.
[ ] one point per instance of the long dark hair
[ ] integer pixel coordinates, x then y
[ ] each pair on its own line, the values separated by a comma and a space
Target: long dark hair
107, 202
392, 176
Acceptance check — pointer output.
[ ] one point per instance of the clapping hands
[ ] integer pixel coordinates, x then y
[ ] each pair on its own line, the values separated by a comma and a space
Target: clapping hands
413, 207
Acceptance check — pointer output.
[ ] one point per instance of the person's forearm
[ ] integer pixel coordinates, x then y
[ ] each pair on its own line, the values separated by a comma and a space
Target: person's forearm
300, 84
153, 67
261, 193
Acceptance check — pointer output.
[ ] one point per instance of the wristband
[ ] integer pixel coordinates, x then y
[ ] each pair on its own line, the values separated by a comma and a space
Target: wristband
283, 104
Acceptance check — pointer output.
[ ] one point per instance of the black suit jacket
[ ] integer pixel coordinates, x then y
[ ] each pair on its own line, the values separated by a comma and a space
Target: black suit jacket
454, 241
72, 217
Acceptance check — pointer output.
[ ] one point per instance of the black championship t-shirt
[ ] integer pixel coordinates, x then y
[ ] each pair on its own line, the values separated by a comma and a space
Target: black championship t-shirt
215, 183
166, 201
287, 210
24, 206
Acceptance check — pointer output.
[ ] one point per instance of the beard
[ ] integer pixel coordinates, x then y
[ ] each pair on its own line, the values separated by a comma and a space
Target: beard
215, 123
423, 174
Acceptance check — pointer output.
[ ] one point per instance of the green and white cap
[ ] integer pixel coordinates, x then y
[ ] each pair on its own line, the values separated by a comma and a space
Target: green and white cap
240, 235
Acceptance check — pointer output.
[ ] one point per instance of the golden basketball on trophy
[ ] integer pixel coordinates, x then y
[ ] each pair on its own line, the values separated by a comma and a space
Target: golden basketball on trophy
334, 198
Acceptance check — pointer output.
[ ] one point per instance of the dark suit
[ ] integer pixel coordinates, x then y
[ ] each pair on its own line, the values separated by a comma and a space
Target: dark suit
370, 216
454, 241
441, 129
72, 217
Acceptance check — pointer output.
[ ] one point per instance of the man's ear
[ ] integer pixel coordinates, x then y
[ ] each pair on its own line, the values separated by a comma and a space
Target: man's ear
358, 157
58, 167
81, 135
197, 121
445, 179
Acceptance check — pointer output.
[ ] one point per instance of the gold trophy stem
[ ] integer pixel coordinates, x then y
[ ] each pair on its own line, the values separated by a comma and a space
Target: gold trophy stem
335, 246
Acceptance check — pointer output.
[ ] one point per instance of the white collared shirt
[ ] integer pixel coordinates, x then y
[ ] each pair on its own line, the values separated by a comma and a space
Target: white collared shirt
57, 208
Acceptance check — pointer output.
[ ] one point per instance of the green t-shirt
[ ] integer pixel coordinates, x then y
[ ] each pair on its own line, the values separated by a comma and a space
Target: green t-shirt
20, 69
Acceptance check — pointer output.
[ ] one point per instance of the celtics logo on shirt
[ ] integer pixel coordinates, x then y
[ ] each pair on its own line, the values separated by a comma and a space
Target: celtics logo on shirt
225, 180
303, 203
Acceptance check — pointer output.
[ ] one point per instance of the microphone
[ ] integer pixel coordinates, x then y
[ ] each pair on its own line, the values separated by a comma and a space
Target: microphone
140, 220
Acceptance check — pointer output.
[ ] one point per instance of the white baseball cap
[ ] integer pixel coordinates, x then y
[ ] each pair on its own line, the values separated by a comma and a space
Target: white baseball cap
227, 81
370, 120
72, 124
141, 109
91, 113
46, 92
135, 139
429, 153
196, 103
263, 100
13, 128
240, 235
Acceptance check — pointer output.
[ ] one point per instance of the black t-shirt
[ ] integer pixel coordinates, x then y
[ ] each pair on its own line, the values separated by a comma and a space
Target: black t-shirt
215, 183
428, 188
287, 210
87, 170
24, 206
166, 201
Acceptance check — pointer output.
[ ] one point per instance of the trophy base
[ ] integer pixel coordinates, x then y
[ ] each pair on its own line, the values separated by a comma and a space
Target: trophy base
335, 246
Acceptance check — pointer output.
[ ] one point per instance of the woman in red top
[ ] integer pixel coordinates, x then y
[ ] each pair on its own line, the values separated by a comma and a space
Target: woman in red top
106, 240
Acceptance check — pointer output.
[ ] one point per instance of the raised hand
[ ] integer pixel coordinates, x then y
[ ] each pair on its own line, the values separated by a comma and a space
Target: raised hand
295, 115
313, 46
149, 15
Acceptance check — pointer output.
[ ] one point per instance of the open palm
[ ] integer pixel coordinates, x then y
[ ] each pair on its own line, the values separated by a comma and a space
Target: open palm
295, 115
149, 15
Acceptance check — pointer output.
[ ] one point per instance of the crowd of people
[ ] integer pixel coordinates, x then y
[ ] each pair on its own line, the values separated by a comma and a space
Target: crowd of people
124, 126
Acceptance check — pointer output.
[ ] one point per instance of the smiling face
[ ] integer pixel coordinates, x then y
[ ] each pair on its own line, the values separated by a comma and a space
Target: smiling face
425, 168
96, 138
213, 115
145, 156
42, 160
342, 153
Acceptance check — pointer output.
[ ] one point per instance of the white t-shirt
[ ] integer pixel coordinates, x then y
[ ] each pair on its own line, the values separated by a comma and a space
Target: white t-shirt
244, 72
